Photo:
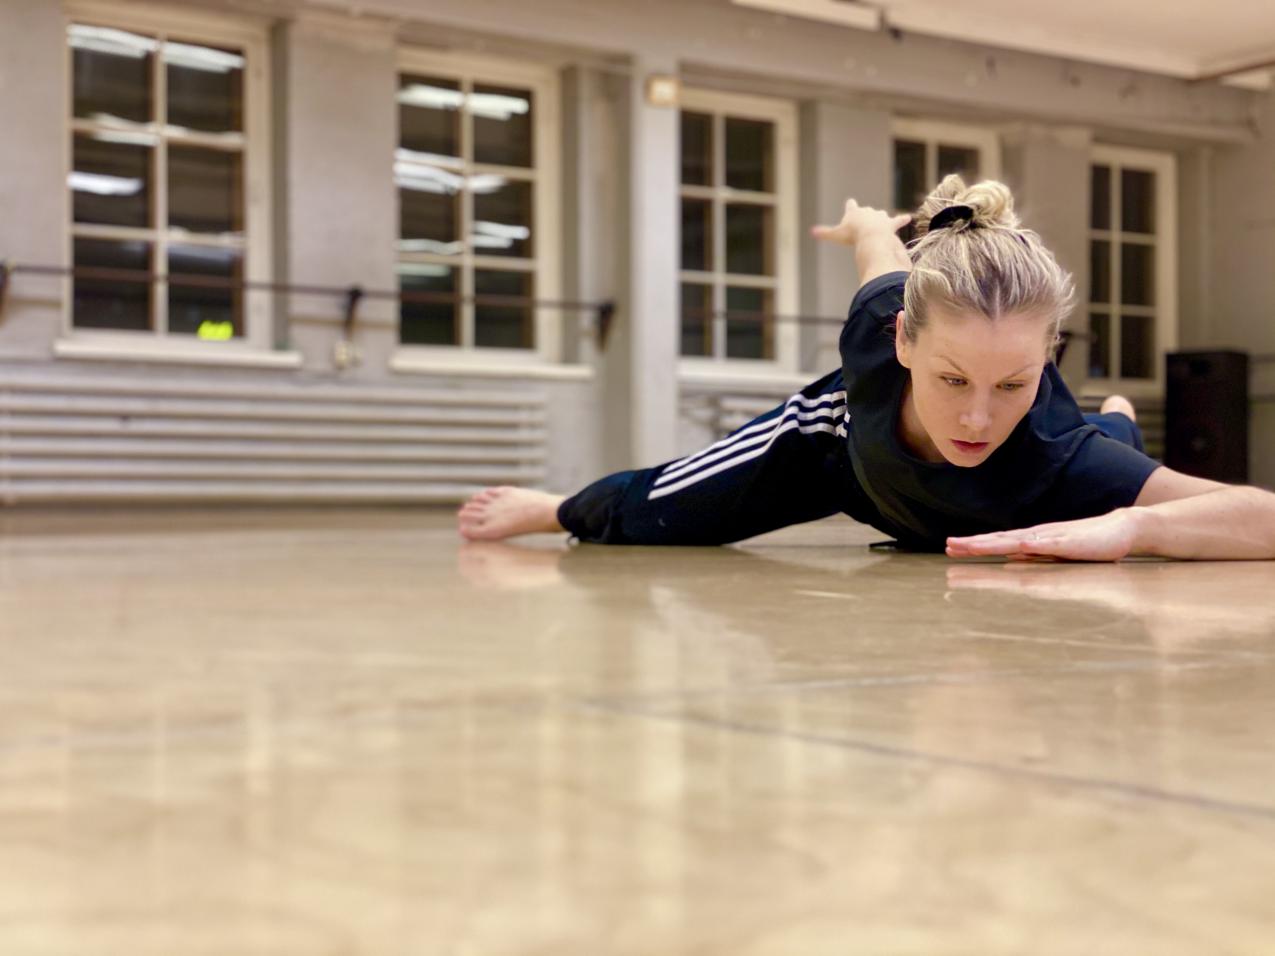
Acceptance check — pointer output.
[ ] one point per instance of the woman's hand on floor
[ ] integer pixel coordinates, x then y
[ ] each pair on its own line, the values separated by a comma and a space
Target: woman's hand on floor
1108, 537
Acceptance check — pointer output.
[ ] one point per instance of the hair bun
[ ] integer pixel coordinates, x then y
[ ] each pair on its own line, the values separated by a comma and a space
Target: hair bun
992, 203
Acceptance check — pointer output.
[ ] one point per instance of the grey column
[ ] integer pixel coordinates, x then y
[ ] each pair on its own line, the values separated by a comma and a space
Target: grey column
639, 367
1048, 170
1241, 288
34, 215
845, 153
338, 220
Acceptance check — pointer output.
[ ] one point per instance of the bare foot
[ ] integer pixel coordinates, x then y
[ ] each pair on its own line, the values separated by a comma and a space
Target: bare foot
497, 513
1118, 403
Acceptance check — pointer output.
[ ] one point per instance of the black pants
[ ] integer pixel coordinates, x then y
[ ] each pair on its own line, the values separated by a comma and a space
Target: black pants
788, 466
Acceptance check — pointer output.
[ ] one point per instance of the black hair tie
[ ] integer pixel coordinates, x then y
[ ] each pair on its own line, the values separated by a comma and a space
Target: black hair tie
952, 214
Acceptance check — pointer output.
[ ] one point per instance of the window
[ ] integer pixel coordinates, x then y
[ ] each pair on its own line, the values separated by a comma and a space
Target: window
925, 152
167, 144
476, 174
1132, 267
738, 206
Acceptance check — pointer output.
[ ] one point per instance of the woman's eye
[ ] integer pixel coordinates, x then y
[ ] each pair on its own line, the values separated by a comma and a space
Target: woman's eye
1012, 386
954, 382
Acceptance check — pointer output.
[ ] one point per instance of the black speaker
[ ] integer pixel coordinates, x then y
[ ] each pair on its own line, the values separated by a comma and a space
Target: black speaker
1206, 415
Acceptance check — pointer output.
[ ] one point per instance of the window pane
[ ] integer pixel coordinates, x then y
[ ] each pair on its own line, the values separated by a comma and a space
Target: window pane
206, 312
697, 235
1100, 197
1137, 274
749, 242
205, 190
697, 149
432, 321
499, 324
750, 155
108, 303
502, 125
1099, 270
697, 320
909, 175
961, 160
429, 115
111, 73
1099, 345
502, 218
205, 87
1137, 346
110, 182
749, 323
428, 222
1137, 201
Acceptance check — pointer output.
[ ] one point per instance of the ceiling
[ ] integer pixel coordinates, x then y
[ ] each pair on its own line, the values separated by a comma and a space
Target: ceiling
1171, 37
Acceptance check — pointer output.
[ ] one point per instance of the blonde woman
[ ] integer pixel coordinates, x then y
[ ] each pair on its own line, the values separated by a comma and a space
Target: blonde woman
947, 427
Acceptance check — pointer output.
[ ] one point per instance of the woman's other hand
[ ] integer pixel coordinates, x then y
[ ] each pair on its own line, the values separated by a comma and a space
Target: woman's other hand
860, 222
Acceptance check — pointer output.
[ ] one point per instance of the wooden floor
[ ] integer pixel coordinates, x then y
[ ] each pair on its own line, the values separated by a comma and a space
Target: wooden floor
340, 732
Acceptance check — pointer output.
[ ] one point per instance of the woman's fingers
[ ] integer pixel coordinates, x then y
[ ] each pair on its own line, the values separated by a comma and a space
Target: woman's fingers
833, 234
898, 222
1026, 542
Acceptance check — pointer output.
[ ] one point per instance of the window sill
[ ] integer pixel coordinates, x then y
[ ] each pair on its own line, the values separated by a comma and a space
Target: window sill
1097, 390
729, 379
415, 365
167, 354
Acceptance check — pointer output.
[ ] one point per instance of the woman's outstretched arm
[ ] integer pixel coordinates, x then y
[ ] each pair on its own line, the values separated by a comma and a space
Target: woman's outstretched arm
873, 234
1175, 516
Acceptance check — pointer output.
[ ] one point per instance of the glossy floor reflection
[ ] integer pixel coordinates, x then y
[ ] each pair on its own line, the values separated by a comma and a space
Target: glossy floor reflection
341, 732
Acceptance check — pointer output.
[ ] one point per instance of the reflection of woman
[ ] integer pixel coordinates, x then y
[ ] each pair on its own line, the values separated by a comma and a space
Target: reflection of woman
954, 431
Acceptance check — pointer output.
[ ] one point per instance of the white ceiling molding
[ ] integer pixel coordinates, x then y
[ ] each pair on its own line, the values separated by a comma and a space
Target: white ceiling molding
847, 13
1147, 35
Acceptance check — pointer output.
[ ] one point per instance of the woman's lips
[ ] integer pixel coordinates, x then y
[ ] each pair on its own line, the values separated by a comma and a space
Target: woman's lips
970, 447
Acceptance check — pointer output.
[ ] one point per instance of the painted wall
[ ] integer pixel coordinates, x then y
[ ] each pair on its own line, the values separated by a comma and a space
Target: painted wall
1239, 310
336, 220
338, 127
33, 203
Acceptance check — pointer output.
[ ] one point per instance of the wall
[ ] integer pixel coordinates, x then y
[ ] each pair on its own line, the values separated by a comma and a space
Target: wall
1240, 311
33, 203
338, 131
1048, 170
335, 124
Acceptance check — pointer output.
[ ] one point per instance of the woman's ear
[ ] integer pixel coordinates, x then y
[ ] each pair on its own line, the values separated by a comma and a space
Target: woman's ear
902, 347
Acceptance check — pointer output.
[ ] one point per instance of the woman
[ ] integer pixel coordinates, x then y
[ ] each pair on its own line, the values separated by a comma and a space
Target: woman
948, 426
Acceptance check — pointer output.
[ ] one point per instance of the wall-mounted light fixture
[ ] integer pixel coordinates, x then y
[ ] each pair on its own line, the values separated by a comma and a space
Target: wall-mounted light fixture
663, 90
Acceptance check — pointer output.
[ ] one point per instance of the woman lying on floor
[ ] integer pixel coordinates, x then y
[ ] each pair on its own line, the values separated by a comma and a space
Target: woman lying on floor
947, 427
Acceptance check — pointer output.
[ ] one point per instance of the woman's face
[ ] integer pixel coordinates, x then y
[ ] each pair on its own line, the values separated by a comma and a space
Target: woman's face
973, 380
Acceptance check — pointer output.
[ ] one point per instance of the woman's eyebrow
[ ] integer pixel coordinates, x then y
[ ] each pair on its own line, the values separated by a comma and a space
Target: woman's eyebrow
966, 374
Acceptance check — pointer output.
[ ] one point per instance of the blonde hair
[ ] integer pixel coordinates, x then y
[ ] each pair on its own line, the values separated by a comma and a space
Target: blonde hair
987, 264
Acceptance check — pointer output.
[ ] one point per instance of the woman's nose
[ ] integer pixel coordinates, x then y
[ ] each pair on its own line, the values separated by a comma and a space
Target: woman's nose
975, 417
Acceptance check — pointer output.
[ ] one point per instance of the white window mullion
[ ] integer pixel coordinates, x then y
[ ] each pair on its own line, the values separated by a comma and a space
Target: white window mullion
245, 33
468, 310
160, 289
718, 320
780, 353
1160, 242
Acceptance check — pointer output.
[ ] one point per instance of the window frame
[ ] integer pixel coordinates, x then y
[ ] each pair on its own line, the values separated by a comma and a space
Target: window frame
783, 113
935, 132
251, 34
1164, 165
545, 174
